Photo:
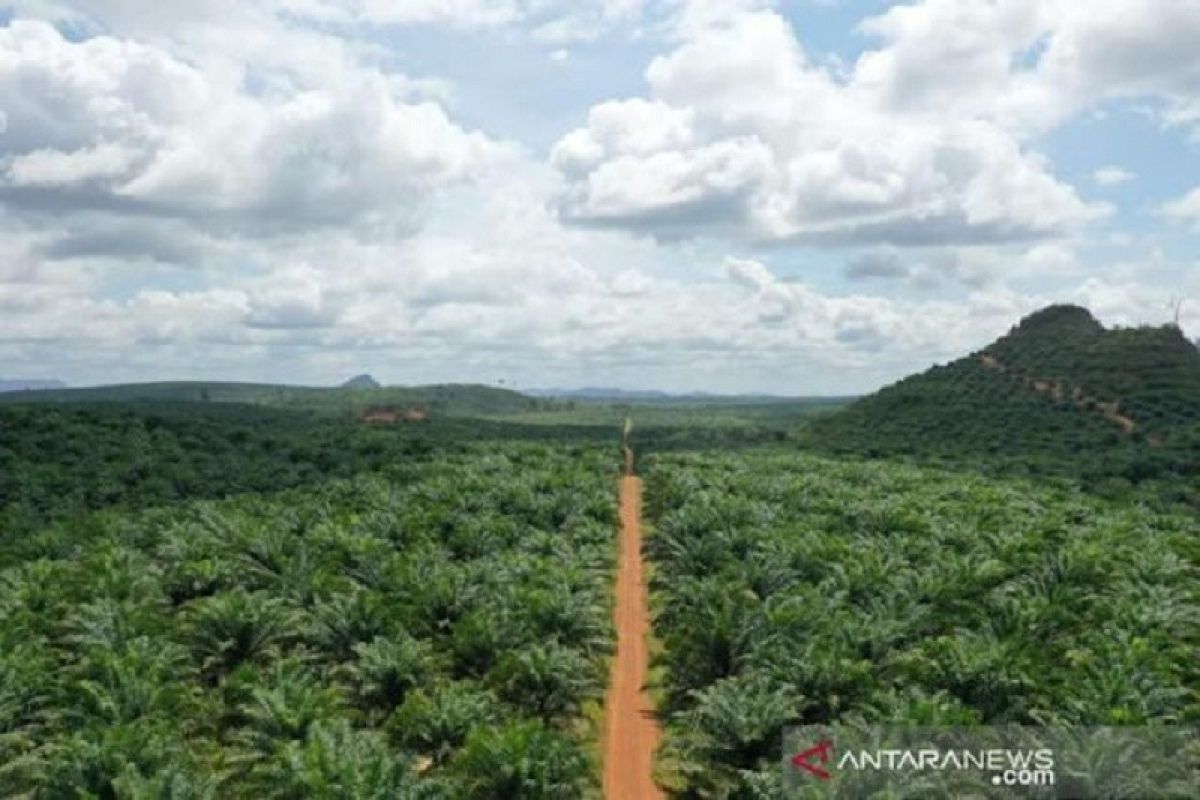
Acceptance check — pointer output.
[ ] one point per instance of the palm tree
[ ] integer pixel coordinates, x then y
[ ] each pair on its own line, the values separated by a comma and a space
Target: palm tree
195, 556
282, 704
336, 762
573, 619
522, 761
27, 714
711, 628
230, 628
738, 722
547, 681
96, 761
436, 720
386, 670
278, 561
144, 678
171, 783
339, 623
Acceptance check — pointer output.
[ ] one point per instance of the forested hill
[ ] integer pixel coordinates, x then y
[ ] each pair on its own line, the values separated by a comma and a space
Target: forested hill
1058, 393
1149, 375
443, 399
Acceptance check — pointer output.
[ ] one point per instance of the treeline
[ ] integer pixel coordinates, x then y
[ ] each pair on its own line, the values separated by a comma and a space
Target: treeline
439, 634
439, 399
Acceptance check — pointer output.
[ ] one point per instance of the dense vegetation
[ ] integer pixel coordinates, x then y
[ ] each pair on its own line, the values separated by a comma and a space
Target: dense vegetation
439, 634
61, 460
791, 589
1034, 402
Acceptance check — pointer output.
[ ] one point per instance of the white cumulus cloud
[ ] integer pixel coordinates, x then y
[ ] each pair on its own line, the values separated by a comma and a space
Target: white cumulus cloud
744, 135
114, 123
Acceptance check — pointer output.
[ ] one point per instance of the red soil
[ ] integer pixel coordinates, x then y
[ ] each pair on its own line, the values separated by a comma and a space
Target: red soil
631, 732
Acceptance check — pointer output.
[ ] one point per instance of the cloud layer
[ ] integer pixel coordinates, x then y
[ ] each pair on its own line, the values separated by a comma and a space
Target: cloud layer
271, 191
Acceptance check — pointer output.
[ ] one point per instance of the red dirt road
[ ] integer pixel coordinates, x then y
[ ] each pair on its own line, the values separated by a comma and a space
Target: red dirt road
631, 731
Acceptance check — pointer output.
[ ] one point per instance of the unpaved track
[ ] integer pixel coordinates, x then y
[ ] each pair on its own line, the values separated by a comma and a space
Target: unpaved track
631, 731
1110, 411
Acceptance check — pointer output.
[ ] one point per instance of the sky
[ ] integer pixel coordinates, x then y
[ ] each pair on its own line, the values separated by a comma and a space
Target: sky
803, 198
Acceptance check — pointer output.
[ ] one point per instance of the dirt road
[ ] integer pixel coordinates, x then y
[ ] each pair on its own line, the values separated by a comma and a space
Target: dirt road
631, 731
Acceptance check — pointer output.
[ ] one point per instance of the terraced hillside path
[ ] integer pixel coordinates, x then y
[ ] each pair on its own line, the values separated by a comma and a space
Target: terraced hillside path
1110, 411
631, 731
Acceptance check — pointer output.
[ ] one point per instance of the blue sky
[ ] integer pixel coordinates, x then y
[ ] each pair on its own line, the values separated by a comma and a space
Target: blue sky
729, 195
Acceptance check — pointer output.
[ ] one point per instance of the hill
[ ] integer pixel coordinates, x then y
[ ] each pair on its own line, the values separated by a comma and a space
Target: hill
1059, 393
363, 381
1148, 376
440, 400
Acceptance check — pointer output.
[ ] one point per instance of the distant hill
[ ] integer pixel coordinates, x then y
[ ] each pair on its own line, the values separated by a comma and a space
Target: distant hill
1059, 390
26, 386
363, 381
439, 400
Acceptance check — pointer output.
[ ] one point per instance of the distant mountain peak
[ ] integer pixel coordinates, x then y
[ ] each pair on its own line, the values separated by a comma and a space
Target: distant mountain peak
363, 381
